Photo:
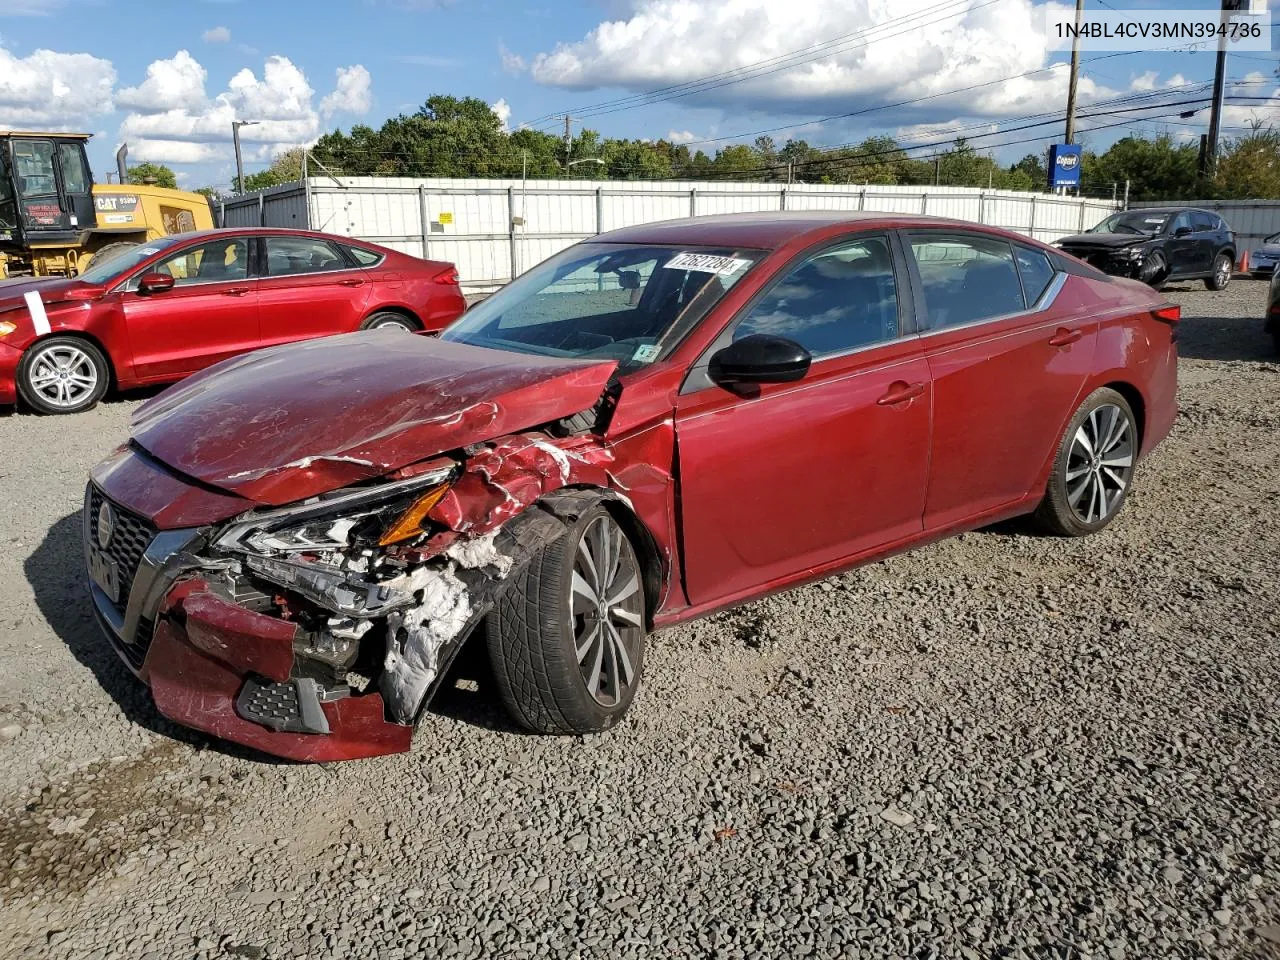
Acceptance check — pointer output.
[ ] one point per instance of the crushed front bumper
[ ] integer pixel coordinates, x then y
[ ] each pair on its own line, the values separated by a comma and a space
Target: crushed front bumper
211, 664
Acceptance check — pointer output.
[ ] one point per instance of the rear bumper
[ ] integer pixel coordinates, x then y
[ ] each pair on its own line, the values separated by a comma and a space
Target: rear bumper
9, 358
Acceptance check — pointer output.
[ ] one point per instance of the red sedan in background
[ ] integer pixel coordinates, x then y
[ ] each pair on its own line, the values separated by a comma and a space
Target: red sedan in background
175, 305
654, 424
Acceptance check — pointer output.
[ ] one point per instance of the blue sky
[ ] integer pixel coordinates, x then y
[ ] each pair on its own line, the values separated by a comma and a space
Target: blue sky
170, 82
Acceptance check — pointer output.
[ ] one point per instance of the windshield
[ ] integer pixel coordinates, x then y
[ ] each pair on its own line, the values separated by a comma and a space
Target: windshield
120, 263
1133, 221
630, 303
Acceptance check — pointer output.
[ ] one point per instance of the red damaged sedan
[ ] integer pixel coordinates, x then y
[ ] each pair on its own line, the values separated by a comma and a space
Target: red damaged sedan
172, 306
657, 423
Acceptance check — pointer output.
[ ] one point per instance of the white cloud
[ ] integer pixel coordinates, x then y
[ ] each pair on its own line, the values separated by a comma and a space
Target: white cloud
281, 102
681, 136
503, 110
29, 8
353, 93
217, 35
173, 84
888, 57
512, 63
49, 89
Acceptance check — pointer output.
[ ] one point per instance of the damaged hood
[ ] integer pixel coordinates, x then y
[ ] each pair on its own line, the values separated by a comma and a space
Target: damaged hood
1109, 241
290, 422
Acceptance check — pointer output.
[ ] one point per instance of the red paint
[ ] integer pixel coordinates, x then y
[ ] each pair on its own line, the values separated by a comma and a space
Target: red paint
239, 639
872, 453
287, 423
195, 691
162, 337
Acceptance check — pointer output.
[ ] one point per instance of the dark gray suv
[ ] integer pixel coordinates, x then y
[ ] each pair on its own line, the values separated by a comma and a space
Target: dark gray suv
1159, 244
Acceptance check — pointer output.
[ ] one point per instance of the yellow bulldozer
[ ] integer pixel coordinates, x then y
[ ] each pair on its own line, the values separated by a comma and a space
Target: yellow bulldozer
54, 219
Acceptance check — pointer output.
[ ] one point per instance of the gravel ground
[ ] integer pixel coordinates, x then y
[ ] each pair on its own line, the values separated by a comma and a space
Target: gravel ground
998, 746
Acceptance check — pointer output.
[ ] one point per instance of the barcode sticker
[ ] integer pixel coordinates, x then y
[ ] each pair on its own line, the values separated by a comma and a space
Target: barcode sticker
706, 263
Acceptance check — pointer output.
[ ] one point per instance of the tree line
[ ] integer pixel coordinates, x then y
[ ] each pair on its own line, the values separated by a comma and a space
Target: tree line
463, 137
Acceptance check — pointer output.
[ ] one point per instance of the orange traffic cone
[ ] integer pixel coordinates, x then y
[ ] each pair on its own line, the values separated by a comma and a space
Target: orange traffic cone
1244, 262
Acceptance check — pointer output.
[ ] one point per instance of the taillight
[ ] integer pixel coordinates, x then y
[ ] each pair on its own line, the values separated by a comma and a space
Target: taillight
1169, 314
449, 277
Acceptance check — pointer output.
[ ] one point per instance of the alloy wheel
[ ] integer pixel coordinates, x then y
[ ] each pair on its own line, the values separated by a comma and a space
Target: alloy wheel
1222, 272
607, 605
63, 376
1100, 463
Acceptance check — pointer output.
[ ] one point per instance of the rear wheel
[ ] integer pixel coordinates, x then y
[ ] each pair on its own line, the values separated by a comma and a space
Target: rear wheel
63, 375
1221, 273
1093, 469
567, 637
389, 320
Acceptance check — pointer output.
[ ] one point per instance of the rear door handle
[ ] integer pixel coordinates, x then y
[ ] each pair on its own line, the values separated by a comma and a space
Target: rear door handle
235, 292
1064, 337
351, 282
900, 392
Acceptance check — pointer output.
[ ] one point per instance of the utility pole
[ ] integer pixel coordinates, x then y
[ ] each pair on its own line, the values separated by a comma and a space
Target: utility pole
568, 138
235, 138
1209, 157
1075, 75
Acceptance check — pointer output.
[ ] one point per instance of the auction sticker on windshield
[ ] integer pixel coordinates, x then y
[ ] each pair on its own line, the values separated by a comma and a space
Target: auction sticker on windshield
706, 263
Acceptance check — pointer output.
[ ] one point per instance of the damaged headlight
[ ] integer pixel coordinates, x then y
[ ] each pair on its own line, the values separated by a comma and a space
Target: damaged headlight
374, 516
1133, 253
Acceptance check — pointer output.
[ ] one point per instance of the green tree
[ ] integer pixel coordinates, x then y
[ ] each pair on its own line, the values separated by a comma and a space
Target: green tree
1156, 169
1249, 166
156, 174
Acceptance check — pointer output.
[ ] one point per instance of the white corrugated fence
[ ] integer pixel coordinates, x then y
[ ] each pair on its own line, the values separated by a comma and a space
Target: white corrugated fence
496, 229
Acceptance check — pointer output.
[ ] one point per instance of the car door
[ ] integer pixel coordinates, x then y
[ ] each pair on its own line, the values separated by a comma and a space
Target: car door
1208, 240
1005, 375
211, 312
310, 288
1182, 247
788, 477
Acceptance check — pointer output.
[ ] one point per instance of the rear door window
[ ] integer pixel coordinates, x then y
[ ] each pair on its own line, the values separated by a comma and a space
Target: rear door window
966, 279
289, 256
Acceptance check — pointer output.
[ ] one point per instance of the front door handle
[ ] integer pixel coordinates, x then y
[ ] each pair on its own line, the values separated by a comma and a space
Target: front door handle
1064, 337
900, 392
235, 292
352, 282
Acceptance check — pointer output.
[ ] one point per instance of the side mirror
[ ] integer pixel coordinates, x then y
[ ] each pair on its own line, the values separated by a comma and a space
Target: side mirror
1182, 231
155, 283
760, 358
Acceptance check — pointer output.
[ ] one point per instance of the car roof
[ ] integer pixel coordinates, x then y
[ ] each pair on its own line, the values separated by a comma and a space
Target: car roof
769, 230
268, 232
1169, 210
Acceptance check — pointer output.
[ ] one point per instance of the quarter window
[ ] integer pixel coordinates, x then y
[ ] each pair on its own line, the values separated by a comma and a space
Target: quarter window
840, 299
218, 261
966, 279
366, 258
1036, 272
287, 256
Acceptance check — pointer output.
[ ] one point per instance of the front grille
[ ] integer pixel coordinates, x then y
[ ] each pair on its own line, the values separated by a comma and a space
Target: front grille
129, 540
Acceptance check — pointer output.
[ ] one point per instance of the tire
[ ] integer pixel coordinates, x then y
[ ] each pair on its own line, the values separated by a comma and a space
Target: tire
390, 320
1155, 271
549, 612
1072, 506
1221, 272
105, 253
63, 375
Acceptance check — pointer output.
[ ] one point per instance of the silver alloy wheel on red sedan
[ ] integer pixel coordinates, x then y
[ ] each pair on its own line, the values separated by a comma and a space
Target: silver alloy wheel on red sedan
607, 603
63, 374
1100, 463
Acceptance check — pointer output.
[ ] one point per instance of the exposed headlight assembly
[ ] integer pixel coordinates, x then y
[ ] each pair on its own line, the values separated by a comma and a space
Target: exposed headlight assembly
1133, 253
366, 517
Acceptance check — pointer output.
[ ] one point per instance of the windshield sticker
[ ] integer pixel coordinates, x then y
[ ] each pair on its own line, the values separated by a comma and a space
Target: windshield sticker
706, 263
645, 352
148, 251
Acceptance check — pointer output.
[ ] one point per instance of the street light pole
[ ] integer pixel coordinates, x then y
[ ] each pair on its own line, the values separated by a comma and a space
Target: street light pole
235, 138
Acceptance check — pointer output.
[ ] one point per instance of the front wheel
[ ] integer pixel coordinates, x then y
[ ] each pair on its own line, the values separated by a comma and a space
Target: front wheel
63, 375
567, 637
1093, 469
1221, 273
1155, 270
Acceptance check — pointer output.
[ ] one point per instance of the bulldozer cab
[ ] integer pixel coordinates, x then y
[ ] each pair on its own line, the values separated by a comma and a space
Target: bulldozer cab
46, 189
